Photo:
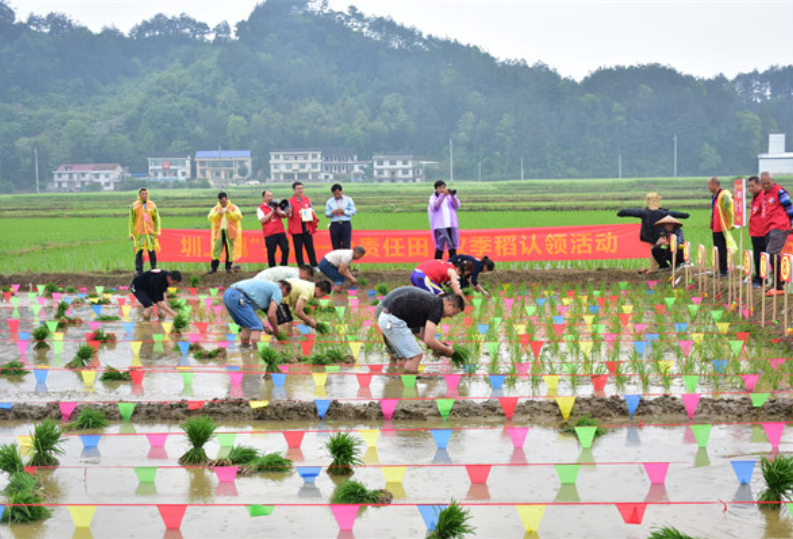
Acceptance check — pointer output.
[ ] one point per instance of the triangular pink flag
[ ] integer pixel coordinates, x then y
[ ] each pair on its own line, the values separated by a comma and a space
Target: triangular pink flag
652, 284
686, 347
172, 515
93, 325
632, 513
750, 381
208, 303
15, 288
775, 363
508, 302
236, 378
388, 406
218, 309
452, 381
226, 474
691, 400
696, 300
345, 516
773, 432
66, 409
656, 471
518, 436
22, 346
41, 300
639, 328
478, 473
157, 440
294, 437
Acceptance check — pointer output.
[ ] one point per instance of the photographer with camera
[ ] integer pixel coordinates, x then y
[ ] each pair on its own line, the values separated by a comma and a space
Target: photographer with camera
442, 212
270, 214
340, 209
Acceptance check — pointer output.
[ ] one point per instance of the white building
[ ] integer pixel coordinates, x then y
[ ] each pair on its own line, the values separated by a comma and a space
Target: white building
170, 167
78, 177
777, 160
223, 167
396, 168
342, 164
296, 164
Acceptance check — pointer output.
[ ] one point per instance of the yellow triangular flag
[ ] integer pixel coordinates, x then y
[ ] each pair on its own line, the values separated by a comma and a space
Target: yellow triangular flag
583, 299
125, 311
172, 290
588, 319
341, 328
58, 337
551, 380
136, 362
520, 329
586, 347
394, 474
89, 377
258, 404
627, 309
724, 327
370, 436
135, 345
166, 327
530, 515
666, 366
320, 378
566, 301
25, 440
82, 515
355, 348
697, 337
565, 406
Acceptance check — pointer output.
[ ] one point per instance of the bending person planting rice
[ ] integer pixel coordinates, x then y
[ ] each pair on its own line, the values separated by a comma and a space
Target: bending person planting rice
434, 274
416, 309
296, 299
244, 298
479, 266
281, 273
150, 288
336, 265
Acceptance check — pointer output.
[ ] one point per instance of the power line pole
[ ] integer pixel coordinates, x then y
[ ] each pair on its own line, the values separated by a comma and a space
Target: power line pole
619, 164
521, 168
675, 141
451, 161
36, 154
480, 171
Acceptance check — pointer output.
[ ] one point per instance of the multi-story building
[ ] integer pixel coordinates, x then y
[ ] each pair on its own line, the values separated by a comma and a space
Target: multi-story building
78, 177
396, 168
342, 164
294, 164
777, 160
224, 167
171, 166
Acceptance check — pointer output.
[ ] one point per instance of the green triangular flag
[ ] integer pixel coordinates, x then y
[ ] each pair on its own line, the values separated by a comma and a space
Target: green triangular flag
702, 434
187, 378
324, 302
158, 337
492, 347
623, 285
444, 407
202, 297
146, 474
568, 473
496, 321
52, 325
57, 346
332, 368
126, 409
598, 329
260, 510
531, 310
669, 301
35, 309
585, 436
717, 314
100, 289
693, 309
262, 345
597, 293
409, 380
758, 399
477, 302
690, 382
234, 328
226, 439
340, 311
736, 347
15, 301
213, 291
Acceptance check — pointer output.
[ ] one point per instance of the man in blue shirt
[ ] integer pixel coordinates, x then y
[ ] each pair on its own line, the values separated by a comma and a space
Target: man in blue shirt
244, 298
340, 209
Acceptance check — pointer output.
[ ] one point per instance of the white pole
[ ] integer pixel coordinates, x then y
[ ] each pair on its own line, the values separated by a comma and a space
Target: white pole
619, 165
480, 171
675, 140
521, 168
36, 153
451, 161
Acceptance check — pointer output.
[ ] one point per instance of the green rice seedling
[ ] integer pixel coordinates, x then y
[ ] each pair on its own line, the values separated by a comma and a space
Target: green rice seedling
272, 462
180, 323
114, 375
318, 358
242, 455
363, 282
355, 492
21, 481
374, 302
461, 356
13, 368
21, 508
194, 281
40, 334
90, 418
572, 370
107, 318
778, 477
199, 431
335, 355
345, 449
50, 289
568, 427
82, 358
101, 336
453, 523
271, 358
46, 443
668, 532
322, 328
381, 289
10, 459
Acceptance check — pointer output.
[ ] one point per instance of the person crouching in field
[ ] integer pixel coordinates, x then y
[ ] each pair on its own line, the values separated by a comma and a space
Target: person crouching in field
432, 275
416, 309
662, 250
296, 299
244, 298
151, 287
336, 265
144, 229
282, 273
480, 266
650, 214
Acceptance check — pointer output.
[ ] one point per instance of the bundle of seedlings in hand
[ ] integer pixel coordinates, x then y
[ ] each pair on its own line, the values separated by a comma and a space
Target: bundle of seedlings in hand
82, 358
363, 282
89, 418
778, 477
271, 358
199, 430
114, 375
453, 523
346, 452
13, 368
355, 492
461, 356
281, 337
322, 328
46, 444
40, 334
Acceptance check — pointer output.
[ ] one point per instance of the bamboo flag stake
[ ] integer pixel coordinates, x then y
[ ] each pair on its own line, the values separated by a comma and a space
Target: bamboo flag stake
763, 277
776, 265
716, 270
673, 246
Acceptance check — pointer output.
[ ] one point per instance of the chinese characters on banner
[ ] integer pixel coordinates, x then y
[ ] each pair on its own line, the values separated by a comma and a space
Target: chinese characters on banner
601, 242
739, 203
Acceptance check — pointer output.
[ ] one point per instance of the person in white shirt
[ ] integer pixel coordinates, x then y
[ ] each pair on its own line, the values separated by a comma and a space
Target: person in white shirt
336, 265
282, 273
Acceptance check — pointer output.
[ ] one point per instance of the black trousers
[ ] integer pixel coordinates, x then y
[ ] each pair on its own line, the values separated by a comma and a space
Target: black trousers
307, 240
758, 246
664, 257
341, 235
139, 260
273, 242
229, 255
721, 244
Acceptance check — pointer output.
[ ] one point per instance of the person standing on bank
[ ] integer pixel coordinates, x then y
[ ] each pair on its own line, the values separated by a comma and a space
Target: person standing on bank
757, 226
340, 209
244, 298
336, 265
778, 216
480, 266
721, 221
226, 232
150, 289
302, 225
144, 229
270, 216
442, 212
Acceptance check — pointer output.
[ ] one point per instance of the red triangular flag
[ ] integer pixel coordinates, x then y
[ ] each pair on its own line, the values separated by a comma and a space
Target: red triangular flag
632, 513
193, 405
307, 346
508, 404
536, 348
172, 515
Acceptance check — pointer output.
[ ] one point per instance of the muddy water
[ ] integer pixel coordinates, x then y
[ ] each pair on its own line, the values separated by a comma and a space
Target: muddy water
104, 475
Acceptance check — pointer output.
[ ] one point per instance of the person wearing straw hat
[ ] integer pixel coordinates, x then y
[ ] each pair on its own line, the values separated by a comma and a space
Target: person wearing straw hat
650, 215
668, 227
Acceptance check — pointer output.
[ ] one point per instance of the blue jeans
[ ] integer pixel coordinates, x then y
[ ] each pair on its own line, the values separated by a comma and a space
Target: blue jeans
331, 272
240, 310
398, 336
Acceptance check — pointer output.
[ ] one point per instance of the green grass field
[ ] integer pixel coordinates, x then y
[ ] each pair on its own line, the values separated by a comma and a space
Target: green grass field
88, 232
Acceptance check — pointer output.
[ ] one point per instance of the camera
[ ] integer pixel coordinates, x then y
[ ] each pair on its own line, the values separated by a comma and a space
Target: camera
283, 204
452, 191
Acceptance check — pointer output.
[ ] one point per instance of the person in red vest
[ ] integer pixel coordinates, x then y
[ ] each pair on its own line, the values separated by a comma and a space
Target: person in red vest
302, 225
432, 275
778, 216
757, 226
270, 216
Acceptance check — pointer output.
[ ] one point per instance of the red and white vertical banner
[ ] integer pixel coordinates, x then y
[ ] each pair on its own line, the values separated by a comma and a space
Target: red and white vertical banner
739, 203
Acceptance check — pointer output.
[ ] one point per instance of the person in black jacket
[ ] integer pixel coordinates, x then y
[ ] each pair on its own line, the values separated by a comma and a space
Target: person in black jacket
151, 288
651, 214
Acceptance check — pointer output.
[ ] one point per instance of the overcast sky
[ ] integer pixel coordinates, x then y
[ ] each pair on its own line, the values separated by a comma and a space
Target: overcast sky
698, 37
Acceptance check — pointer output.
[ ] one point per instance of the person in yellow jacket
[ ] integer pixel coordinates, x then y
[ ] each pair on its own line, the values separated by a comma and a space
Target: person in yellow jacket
721, 222
226, 219
144, 229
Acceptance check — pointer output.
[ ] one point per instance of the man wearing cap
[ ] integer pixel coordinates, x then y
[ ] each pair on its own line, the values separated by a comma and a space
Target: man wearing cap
144, 229
721, 221
778, 216
757, 226
651, 214
669, 228
340, 209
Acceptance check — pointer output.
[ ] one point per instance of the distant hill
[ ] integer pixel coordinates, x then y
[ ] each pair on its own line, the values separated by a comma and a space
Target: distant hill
299, 74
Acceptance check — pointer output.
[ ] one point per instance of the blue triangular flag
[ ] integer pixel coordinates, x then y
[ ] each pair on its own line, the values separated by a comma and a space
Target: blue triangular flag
558, 319
6, 405
496, 381
640, 346
184, 346
430, 514
720, 365
68, 300
441, 437
232, 368
41, 375
322, 407
278, 378
308, 473
651, 337
231, 337
483, 328
681, 327
744, 470
303, 328
82, 295
129, 327
24, 335
90, 440
540, 301
97, 309
594, 309
633, 402
184, 362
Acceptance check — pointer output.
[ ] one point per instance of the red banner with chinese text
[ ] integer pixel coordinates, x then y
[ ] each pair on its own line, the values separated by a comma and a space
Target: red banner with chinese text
597, 242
